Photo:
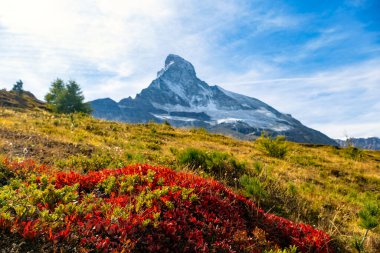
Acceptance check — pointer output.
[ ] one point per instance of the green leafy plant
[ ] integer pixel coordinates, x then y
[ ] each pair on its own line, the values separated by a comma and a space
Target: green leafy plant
291, 249
218, 164
253, 187
274, 147
194, 158
369, 218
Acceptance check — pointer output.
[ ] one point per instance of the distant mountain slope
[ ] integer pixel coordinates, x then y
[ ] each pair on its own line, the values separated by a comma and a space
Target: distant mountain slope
178, 96
365, 143
23, 100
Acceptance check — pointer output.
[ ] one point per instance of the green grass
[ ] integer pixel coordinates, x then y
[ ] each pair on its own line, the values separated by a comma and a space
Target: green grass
320, 185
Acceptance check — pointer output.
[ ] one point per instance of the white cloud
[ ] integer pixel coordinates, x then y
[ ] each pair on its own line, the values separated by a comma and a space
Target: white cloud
344, 99
342, 131
113, 48
61, 38
130, 39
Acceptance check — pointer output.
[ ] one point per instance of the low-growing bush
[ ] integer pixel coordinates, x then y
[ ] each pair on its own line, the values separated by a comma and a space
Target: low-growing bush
274, 147
98, 160
143, 208
193, 158
218, 164
253, 187
353, 153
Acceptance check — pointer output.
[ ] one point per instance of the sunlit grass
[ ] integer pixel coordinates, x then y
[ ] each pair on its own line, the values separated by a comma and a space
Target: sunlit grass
320, 185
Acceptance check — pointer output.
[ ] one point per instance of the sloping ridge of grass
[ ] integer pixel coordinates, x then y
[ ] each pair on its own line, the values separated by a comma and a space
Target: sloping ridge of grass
24, 100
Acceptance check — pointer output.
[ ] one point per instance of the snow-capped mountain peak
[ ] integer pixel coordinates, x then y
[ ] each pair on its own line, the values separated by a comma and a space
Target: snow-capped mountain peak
178, 82
177, 95
177, 66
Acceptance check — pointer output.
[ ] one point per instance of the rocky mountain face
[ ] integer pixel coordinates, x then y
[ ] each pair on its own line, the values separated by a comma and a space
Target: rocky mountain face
178, 96
364, 143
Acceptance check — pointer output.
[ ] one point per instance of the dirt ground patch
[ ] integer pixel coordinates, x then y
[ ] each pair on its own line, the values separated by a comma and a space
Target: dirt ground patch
38, 148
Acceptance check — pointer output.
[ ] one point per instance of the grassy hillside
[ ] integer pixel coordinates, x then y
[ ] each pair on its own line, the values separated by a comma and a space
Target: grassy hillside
320, 185
23, 100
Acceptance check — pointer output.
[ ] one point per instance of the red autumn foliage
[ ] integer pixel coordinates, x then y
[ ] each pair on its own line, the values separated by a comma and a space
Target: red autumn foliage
164, 211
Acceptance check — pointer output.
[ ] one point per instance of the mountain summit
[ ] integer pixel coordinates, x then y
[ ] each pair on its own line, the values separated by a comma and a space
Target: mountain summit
178, 96
178, 65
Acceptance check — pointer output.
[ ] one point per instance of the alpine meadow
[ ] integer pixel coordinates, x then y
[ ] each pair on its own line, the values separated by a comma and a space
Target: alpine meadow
182, 126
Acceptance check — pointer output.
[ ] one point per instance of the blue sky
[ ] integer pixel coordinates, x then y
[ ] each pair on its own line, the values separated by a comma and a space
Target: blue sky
317, 60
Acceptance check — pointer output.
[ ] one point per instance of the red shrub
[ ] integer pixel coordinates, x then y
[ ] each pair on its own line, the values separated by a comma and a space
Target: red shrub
154, 209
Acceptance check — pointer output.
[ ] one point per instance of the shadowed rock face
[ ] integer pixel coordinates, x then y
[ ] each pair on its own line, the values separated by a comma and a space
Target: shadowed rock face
178, 96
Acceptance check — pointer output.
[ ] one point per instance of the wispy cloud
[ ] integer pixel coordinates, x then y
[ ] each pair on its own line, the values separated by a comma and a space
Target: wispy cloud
69, 36
291, 58
341, 99
125, 41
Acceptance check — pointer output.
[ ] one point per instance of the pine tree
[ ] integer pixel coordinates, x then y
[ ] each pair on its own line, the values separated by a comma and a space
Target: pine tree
57, 88
67, 98
17, 87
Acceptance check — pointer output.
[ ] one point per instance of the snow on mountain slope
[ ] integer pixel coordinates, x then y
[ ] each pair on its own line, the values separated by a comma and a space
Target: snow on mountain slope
183, 85
177, 95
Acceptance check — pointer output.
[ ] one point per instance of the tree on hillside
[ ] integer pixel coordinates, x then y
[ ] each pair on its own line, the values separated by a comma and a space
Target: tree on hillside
66, 98
56, 89
17, 87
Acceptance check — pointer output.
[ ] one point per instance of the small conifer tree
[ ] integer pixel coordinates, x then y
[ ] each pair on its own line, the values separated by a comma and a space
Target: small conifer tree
66, 98
369, 218
17, 87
